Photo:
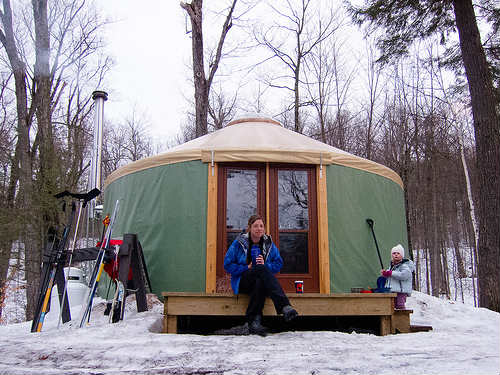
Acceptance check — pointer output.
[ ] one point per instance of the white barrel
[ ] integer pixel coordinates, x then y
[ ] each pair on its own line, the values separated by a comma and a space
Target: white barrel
77, 291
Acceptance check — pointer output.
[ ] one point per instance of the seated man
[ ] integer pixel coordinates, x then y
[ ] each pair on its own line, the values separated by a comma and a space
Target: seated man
252, 260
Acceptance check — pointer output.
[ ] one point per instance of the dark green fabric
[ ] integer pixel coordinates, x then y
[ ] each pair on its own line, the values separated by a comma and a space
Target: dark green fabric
354, 196
166, 207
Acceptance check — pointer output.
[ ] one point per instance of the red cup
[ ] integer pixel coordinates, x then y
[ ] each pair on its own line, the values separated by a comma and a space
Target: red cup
299, 286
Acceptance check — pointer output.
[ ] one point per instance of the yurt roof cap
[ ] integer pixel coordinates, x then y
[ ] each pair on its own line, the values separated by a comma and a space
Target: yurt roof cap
256, 139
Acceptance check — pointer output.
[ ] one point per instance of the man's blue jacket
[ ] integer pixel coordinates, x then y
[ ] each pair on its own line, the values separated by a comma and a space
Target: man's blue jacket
235, 261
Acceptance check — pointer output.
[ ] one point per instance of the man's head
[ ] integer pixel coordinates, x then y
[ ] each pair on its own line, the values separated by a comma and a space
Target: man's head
256, 227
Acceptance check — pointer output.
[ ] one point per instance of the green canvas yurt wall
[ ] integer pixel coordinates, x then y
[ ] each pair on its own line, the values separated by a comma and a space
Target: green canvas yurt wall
166, 207
353, 197
164, 200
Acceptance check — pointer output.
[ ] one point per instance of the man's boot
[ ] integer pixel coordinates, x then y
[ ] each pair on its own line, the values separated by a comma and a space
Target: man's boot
256, 328
289, 313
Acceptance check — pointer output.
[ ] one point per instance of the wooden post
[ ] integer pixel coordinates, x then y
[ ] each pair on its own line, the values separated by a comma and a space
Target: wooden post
169, 321
385, 325
401, 321
211, 256
323, 245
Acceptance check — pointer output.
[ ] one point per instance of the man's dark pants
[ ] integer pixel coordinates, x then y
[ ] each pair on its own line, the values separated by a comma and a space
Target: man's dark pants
259, 283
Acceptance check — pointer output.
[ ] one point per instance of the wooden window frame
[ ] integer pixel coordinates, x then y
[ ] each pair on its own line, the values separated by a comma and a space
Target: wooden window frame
267, 175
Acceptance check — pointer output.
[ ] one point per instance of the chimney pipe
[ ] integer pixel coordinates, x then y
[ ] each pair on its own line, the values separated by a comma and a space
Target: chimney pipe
99, 98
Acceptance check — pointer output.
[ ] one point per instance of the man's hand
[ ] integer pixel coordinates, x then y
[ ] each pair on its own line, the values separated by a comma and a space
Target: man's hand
259, 260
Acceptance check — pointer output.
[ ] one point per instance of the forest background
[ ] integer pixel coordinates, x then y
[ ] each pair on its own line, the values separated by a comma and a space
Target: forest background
389, 83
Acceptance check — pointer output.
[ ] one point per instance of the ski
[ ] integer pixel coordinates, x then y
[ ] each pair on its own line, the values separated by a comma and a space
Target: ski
55, 259
96, 274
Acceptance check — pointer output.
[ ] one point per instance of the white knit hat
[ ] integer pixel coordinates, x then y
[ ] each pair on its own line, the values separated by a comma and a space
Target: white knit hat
398, 249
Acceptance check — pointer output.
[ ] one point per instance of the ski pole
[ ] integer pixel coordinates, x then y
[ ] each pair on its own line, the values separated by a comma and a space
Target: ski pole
370, 223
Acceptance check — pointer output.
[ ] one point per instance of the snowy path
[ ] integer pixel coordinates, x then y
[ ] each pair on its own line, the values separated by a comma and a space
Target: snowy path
465, 340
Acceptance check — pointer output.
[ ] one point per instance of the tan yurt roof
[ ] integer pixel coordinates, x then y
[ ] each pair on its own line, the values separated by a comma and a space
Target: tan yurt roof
259, 140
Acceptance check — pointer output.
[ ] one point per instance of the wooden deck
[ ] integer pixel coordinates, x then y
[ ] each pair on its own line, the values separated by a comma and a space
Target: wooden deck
380, 305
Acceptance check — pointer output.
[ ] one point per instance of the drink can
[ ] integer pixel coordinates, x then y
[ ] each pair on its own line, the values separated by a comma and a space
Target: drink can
299, 286
254, 252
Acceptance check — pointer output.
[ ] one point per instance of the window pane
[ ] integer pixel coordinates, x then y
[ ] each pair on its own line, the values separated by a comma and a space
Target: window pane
293, 214
293, 200
293, 250
231, 236
241, 197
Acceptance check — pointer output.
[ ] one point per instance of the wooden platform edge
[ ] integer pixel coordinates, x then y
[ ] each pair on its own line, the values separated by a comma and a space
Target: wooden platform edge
308, 304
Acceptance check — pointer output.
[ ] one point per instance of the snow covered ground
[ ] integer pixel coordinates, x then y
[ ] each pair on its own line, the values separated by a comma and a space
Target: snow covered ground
465, 340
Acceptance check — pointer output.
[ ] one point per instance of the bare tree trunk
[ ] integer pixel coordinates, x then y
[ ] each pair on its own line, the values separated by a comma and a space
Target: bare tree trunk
487, 135
296, 111
416, 285
46, 178
21, 168
201, 83
427, 270
195, 12
373, 91
431, 214
445, 283
455, 238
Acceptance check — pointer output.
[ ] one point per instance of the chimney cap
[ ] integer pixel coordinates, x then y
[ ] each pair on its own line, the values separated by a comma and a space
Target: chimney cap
100, 94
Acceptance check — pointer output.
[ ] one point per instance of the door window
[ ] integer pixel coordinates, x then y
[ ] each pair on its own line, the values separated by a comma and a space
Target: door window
293, 220
241, 200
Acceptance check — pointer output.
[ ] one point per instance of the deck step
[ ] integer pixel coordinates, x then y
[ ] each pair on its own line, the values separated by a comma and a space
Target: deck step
420, 328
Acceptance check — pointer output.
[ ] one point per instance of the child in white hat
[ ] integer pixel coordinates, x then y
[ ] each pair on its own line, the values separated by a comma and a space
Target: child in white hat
398, 277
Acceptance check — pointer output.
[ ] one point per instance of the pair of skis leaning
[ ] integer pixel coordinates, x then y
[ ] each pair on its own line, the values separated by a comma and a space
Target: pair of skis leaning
52, 265
97, 272
54, 262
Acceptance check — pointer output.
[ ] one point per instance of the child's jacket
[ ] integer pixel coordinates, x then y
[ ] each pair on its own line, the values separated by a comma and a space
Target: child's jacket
401, 281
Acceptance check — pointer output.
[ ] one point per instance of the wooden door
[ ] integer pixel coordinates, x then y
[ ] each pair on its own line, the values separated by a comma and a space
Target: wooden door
294, 227
292, 217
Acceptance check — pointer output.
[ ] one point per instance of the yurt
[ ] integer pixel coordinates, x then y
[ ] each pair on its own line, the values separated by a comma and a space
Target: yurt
188, 204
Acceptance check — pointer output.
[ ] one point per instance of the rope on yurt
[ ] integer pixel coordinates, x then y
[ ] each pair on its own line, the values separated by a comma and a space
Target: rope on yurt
212, 163
320, 165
